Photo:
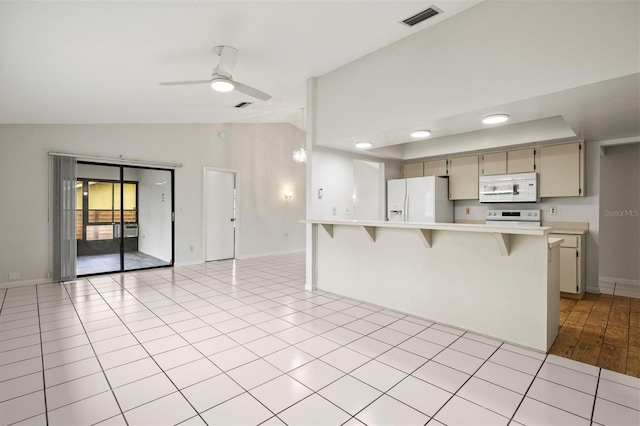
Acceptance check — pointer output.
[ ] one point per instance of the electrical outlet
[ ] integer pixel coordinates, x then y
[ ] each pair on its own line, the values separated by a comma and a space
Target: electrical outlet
467, 210
347, 211
13, 276
553, 210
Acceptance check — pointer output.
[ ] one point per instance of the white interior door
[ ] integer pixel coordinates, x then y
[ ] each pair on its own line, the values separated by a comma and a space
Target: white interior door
220, 214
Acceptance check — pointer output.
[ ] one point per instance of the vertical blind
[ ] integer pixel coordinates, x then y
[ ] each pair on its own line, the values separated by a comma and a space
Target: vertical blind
64, 217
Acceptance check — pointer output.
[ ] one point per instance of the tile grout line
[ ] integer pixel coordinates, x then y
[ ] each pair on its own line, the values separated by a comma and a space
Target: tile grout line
524, 395
595, 396
44, 384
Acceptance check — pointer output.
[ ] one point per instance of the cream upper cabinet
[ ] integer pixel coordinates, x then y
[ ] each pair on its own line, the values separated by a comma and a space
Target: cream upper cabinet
521, 161
412, 170
561, 170
435, 167
493, 163
463, 178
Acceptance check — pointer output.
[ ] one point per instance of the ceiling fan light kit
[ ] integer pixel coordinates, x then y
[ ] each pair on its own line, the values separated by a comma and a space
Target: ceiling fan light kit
221, 84
221, 78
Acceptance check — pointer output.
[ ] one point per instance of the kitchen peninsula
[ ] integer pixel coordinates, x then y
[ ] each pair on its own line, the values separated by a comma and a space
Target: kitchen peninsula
497, 281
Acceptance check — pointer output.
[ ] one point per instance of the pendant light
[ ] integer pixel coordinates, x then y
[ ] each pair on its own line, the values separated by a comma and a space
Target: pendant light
300, 155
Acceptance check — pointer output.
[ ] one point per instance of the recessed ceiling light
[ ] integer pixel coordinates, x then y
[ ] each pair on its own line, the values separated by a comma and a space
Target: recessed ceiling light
363, 145
495, 118
421, 133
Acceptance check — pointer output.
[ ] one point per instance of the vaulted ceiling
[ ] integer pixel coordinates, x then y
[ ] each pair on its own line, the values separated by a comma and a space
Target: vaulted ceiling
101, 61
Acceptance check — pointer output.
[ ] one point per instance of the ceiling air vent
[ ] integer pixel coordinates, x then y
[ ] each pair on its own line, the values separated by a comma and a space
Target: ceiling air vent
243, 104
422, 16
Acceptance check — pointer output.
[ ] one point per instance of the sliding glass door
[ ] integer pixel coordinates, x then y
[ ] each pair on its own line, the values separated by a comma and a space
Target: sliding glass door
114, 204
147, 231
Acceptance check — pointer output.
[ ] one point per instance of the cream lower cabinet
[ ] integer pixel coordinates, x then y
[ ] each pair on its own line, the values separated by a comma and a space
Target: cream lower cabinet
572, 265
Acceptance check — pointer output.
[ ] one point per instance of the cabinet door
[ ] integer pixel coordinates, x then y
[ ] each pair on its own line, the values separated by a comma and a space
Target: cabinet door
494, 163
463, 178
435, 167
569, 270
412, 170
521, 161
559, 170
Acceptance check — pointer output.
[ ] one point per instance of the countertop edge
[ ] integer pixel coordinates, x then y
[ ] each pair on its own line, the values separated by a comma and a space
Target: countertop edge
460, 227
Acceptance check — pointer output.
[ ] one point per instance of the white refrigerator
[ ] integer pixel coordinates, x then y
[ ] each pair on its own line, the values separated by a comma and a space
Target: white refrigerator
420, 199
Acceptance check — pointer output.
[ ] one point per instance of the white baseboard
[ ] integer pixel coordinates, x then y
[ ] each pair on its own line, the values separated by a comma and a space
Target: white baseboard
274, 253
24, 283
190, 263
244, 256
620, 281
593, 290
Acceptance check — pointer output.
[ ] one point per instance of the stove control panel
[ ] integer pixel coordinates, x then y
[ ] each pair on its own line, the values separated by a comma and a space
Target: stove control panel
514, 215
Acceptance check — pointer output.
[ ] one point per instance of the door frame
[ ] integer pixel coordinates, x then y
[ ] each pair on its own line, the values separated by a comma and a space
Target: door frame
236, 242
121, 167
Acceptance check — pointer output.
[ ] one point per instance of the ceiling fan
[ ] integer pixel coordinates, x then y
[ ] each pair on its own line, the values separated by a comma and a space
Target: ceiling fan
221, 79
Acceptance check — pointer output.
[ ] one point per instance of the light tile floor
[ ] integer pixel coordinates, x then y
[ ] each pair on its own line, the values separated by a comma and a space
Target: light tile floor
241, 342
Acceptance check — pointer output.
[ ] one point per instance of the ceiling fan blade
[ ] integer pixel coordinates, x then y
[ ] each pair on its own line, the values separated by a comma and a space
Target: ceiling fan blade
228, 57
180, 83
248, 90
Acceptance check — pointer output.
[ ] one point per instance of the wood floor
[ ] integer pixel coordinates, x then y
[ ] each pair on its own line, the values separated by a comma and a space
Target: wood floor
601, 330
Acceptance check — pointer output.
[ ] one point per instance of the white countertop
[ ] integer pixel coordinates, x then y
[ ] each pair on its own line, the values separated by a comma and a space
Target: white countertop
554, 241
568, 231
459, 227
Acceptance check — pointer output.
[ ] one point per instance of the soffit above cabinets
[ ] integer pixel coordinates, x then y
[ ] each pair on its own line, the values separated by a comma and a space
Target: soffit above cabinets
601, 111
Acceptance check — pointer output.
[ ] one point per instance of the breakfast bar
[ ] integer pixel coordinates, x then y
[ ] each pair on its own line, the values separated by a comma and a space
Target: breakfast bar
497, 281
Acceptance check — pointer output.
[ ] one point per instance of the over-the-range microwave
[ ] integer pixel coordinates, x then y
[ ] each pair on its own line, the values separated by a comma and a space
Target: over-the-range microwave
514, 188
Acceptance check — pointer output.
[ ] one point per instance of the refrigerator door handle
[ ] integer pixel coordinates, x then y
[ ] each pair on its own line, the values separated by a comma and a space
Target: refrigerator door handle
406, 208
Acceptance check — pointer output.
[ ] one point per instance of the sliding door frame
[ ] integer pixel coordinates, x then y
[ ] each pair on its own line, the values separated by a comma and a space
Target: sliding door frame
121, 182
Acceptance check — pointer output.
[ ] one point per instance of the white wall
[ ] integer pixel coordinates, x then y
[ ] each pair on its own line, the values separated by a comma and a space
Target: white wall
333, 172
260, 152
331, 185
620, 213
368, 190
